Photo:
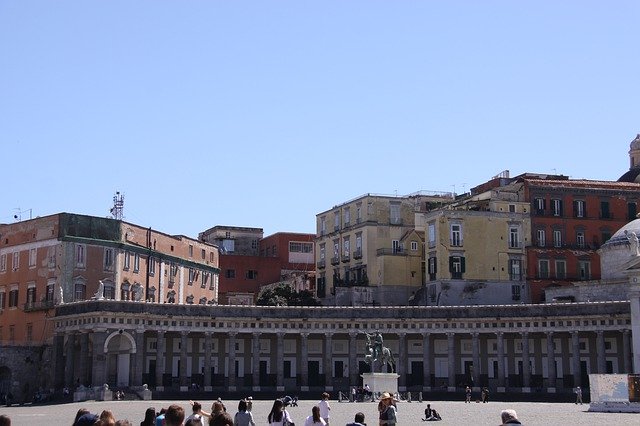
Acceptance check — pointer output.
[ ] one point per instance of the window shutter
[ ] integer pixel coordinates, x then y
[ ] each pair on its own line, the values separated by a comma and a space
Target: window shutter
462, 265
435, 265
450, 263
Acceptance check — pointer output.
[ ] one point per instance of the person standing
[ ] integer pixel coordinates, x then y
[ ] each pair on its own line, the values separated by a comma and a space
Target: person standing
578, 395
388, 412
468, 395
243, 417
324, 407
314, 419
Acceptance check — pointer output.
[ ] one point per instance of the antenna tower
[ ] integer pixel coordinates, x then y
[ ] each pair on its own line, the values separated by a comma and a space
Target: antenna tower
118, 206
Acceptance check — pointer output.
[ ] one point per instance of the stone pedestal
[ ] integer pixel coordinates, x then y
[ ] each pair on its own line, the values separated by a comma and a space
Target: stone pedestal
381, 382
102, 393
143, 392
82, 394
609, 393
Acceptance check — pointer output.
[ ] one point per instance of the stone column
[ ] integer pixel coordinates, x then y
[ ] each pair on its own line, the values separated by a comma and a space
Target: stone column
99, 370
232, 360
280, 361
184, 347
601, 352
328, 362
451, 343
304, 362
401, 367
138, 359
575, 358
501, 381
255, 361
526, 363
160, 359
59, 367
353, 359
475, 346
634, 303
551, 364
84, 359
427, 356
208, 348
626, 353
69, 361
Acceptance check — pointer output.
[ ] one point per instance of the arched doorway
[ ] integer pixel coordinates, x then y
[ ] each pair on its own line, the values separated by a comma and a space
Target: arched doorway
118, 349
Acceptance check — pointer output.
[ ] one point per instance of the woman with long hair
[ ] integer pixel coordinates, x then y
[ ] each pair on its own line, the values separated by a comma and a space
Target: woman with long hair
243, 417
278, 415
314, 419
149, 417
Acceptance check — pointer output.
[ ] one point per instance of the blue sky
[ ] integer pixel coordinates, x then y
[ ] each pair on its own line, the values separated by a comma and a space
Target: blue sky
265, 113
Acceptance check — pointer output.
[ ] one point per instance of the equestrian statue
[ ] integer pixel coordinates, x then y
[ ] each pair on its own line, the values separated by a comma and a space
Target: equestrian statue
376, 351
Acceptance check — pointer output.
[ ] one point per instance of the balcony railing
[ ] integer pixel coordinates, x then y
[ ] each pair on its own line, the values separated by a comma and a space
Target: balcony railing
396, 221
357, 254
38, 306
390, 252
345, 258
335, 260
321, 264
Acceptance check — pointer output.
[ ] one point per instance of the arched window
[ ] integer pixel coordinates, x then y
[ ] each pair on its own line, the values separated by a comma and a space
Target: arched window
125, 290
79, 289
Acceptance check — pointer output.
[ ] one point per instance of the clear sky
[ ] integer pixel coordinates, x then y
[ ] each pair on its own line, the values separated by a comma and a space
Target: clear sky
264, 113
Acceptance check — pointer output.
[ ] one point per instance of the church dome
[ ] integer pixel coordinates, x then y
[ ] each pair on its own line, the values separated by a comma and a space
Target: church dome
633, 175
616, 252
635, 144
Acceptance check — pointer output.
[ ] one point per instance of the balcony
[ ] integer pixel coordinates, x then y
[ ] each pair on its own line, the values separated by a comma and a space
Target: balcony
391, 252
322, 264
335, 260
357, 254
346, 258
396, 221
38, 306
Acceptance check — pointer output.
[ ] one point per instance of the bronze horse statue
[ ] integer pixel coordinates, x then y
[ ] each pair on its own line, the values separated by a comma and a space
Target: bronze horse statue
385, 357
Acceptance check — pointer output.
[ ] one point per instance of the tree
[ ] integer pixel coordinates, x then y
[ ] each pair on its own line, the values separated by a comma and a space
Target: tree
283, 295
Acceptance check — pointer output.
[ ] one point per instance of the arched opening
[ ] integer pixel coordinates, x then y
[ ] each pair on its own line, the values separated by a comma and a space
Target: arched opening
5, 380
118, 349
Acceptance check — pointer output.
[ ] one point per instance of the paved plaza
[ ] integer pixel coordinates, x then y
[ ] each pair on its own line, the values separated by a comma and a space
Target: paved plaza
453, 412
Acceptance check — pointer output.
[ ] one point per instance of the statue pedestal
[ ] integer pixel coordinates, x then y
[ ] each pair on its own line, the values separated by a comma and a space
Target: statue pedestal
381, 382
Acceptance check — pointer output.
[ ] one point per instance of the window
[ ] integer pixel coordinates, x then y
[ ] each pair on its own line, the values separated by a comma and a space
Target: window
205, 279
3, 296
543, 268
515, 292
136, 262
127, 261
456, 266
79, 291
125, 291
347, 216
557, 238
432, 267
109, 290
346, 243
173, 272
322, 251
32, 257
556, 207
358, 242
252, 274
300, 247
31, 294
514, 237
604, 210
228, 246
580, 239
29, 332
540, 238
16, 261
515, 269
80, 255
456, 235
336, 220
578, 208
632, 211
192, 274
432, 235
3, 262
414, 246
561, 269
51, 257
230, 273
396, 247
203, 254
394, 214
108, 259
512, 208
584, 269
51, 285
13, 298
323, 226
152, 266
358, 214
539, 205
190, 250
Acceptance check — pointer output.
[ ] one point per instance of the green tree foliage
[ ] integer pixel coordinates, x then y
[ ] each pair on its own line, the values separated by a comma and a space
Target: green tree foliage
284, 295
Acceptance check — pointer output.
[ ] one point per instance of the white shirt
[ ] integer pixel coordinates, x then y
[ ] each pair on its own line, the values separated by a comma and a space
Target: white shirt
309, 422
324, 408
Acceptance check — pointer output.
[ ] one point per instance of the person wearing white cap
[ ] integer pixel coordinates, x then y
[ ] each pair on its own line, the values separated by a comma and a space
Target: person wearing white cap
388, 412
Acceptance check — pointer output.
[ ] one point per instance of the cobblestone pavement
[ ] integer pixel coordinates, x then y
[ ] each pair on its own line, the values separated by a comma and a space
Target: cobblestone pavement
453, 412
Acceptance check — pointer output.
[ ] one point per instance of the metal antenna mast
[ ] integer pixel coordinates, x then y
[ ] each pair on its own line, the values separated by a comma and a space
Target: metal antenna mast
117, 211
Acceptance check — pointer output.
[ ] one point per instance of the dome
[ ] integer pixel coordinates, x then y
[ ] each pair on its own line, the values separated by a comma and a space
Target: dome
635, 144
633, 175
620, 237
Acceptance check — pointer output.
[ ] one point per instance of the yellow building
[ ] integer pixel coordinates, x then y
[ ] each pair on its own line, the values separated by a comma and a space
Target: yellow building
368, 251
475, 251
